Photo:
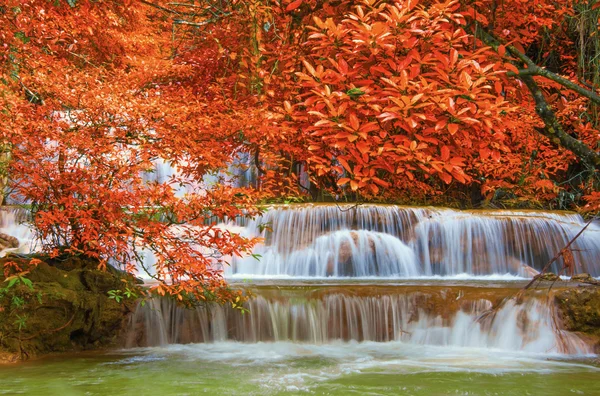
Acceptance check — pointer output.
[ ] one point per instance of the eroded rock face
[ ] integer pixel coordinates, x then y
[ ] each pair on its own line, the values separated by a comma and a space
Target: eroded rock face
579, 310
65, 309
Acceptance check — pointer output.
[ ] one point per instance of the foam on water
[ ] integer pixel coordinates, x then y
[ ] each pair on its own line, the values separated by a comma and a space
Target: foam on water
339, 359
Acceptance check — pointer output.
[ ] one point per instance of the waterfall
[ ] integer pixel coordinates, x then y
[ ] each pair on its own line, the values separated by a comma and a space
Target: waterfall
367, 250
430, 317
328, 240
395, 242
342, 253
12, 221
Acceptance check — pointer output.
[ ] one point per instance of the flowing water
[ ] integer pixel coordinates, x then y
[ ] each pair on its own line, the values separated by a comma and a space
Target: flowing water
380, 300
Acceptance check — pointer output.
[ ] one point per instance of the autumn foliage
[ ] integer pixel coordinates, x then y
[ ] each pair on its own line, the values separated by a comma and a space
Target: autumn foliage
401, 101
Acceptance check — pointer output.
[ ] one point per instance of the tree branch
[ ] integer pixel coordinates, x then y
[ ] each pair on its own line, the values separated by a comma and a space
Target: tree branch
199, 24
553, 129
167, 10
533, 69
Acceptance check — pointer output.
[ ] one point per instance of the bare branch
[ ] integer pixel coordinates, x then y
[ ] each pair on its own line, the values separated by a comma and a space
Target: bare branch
553, 129
533, 69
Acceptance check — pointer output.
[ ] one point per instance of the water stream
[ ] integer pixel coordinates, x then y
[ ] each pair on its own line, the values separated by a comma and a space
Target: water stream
360, 300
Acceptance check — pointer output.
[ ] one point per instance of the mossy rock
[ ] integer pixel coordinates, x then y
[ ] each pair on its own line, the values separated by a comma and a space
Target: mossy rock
548, 277
579, 309
68, 309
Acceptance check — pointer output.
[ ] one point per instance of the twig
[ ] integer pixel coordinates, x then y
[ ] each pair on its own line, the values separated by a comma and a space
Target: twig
558, 255
356, 205
167, 10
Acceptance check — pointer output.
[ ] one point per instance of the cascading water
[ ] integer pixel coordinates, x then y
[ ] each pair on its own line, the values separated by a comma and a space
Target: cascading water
341, 253
344, 270
436, 315
12, 221
330, 274
321, 240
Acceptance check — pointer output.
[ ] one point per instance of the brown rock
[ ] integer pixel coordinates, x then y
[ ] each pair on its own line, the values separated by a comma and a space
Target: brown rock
549, 276
8, 241
583, 277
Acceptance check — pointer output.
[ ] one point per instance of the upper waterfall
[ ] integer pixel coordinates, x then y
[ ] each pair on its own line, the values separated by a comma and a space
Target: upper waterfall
394, 241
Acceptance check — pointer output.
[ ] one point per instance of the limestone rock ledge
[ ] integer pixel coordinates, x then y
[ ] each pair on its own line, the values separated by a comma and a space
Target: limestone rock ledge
66, 308
579, 310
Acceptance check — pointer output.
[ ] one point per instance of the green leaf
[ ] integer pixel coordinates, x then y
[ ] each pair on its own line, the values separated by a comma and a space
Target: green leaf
12, 282
72, 3
22, 36
26, 282
355, 93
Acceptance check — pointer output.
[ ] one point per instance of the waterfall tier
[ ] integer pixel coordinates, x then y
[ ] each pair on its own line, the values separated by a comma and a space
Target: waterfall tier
393, 241
396, 242
422, 315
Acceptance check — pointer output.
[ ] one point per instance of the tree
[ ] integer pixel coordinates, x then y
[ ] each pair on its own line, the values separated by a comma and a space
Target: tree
412, 101
91, 103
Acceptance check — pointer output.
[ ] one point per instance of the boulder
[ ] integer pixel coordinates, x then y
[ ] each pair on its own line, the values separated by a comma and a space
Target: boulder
63, 310
549, 277
8, 241
584, 278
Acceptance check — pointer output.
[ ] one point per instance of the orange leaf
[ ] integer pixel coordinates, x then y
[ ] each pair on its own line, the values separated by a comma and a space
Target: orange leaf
293, 5
452, 128
501, 50
446, 177
363, 147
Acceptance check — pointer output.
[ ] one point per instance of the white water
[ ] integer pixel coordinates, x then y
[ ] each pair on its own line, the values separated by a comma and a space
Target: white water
341, 253
378, 243
12, 223
408, 318
327, 240
397, 356
395, 242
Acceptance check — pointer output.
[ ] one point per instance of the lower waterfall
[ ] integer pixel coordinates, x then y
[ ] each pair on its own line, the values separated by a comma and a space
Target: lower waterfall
442, 316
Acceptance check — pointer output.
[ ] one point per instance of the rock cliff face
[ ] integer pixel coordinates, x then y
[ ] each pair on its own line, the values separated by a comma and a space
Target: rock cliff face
58, 305
579, 310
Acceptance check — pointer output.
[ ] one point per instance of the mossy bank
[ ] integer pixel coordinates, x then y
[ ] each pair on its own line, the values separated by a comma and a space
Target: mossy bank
59, 305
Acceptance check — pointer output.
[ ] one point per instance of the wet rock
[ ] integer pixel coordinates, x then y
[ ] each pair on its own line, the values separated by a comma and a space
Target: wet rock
584, 277
549, 277
346, 251
63, 310
8, 241
516, 266
7, 357
579, 310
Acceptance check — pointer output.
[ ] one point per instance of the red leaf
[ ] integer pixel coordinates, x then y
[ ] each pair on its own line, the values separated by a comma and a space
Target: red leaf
293, 5
446, 178
445, 153
501, 50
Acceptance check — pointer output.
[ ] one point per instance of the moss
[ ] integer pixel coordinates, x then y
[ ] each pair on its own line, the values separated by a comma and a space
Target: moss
67, 309
579, 310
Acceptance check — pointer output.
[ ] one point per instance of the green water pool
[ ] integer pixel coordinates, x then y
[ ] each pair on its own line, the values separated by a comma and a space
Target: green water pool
229, 368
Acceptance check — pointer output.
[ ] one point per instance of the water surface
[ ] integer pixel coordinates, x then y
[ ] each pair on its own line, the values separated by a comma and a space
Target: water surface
368, 368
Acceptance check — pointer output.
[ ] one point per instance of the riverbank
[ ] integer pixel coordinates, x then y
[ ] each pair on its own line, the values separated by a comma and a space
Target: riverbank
58, 305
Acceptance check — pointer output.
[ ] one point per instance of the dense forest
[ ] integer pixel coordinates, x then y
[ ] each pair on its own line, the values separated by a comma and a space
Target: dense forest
463, 103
